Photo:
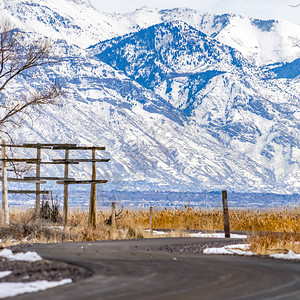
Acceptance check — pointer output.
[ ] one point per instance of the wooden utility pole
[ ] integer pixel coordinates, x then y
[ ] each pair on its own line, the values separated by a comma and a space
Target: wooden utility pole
151, 220
38, 185
226, 214
93, 197
113, 215
5, 213
66, 188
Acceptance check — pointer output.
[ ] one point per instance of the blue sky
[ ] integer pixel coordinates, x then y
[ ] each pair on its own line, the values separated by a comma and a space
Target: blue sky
265, 9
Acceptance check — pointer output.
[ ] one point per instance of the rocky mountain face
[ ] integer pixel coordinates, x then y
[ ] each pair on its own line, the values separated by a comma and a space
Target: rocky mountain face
183, 101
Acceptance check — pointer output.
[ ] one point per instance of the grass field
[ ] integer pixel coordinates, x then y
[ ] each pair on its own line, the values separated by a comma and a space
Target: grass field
130, 224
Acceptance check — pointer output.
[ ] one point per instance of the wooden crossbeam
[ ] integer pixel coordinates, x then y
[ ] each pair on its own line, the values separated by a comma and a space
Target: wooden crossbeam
49, 178
78, 148
39, 145
26, 180
75, 160
22, 146
58, 163
27, 192
81, 181
55, 146
27, 160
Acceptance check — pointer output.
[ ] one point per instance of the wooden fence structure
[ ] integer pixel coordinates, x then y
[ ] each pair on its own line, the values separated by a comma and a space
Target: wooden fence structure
38, 179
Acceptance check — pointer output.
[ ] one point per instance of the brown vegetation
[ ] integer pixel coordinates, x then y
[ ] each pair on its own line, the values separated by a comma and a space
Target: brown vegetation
268, 243
277, 220
130, 224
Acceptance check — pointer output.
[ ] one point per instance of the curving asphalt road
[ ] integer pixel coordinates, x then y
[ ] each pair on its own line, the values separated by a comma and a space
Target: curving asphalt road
137, 269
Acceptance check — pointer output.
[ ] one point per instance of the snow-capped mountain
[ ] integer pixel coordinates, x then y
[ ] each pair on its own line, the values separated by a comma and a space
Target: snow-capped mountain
260, 41
168, 55
176, 96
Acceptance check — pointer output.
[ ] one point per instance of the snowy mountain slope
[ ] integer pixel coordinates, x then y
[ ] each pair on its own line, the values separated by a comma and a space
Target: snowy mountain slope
151, 146
173, 59
166, 49
206, 119
261, 42
230, 98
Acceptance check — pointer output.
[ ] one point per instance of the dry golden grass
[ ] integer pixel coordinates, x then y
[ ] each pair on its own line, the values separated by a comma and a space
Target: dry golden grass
130, 224
279, 220
268, 243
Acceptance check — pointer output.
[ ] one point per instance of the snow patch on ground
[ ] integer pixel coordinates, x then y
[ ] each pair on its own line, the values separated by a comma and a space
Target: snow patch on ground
218, 235
204, 235
5, 273
28, 256
243, 249
288, 256
10, 289
239, 249
156, 232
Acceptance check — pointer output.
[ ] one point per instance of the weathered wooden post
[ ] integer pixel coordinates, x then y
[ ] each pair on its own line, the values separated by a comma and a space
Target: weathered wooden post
66, 188
38, 185
151, 220
113, 215
93, 197
226, 215
5, 212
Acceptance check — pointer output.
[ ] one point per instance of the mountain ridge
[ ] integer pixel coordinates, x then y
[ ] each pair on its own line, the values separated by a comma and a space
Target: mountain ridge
247, 35
208, 123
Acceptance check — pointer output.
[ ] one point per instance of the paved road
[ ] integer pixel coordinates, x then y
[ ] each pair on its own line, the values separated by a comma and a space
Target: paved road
139, 270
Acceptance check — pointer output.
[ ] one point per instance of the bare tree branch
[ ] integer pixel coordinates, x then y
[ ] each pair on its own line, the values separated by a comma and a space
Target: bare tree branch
16, 59
39, 98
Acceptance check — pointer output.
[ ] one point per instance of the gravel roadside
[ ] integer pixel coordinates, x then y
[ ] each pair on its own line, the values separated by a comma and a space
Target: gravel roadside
198, 248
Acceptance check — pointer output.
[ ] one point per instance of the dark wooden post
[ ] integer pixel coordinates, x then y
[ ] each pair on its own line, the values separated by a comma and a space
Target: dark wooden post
66, 188
5, 213
113, 215
151, 220
226, 215
93, 197
38, 185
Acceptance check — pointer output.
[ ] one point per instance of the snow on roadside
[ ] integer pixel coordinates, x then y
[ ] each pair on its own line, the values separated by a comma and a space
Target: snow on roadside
4, 273
28, 256
243, 249
156, 232
288, 256
239, 249
218, 235
10, 289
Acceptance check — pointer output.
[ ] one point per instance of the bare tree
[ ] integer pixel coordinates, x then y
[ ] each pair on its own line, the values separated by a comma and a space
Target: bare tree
20, 59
